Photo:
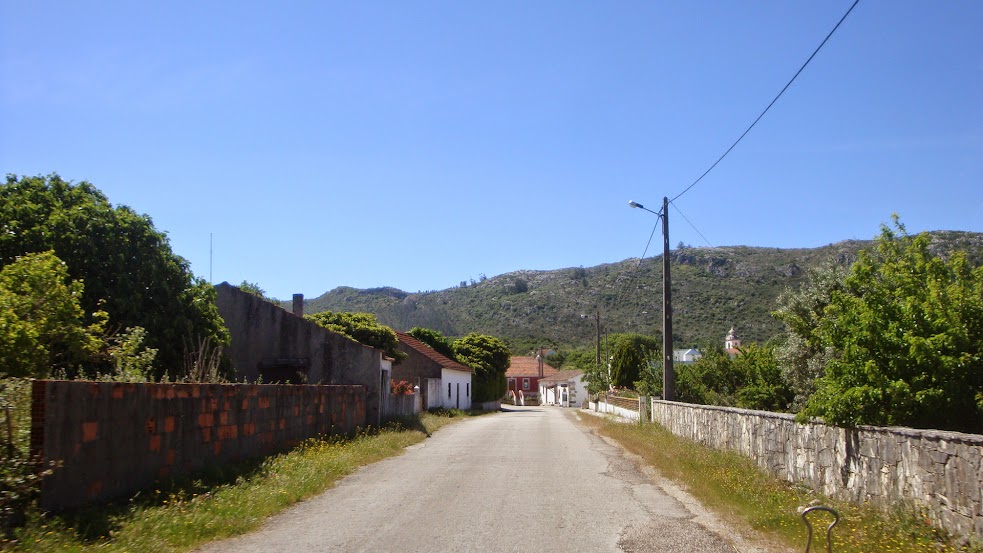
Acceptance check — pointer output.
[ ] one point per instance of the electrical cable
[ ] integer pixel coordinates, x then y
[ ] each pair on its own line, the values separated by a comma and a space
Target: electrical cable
690, 224
771, 104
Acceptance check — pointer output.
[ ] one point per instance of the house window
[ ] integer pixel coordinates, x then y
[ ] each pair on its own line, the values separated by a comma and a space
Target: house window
525, 383
448, 390
467, 389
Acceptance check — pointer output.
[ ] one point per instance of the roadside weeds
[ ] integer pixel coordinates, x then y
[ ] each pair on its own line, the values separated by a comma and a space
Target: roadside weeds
745, 497
224, 502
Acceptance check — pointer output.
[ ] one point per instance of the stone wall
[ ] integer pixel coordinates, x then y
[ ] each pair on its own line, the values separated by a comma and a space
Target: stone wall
940, 470
268, 340
113, 439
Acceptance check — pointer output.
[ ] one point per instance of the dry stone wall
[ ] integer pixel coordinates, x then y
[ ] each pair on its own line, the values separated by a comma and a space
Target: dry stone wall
941, 470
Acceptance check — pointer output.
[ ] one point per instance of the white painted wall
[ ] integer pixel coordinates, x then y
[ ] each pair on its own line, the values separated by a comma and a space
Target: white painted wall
460, 389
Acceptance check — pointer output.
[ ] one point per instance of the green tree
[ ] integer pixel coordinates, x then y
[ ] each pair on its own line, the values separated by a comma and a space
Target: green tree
363, 328
490, 358
434, 339
632, 354
127, 265
803, 355
907, 331
713, 379
42, 324
766, 388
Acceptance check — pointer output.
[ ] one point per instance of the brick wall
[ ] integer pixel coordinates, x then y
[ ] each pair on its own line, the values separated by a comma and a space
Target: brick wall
940, 470
114, 439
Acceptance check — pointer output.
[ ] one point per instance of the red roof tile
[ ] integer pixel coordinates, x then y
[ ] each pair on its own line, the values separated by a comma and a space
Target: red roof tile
439, 358
525, 366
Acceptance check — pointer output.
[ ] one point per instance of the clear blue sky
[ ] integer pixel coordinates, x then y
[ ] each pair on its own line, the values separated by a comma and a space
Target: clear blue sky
418, 144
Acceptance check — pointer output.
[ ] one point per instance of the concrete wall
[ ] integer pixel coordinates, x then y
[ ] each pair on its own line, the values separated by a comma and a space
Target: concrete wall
114, 439
460, 389
941, 470
622, 411
400, 406
267, 338
430, 390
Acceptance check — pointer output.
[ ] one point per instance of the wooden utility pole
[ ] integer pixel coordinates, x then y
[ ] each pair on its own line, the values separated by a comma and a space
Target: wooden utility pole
668, 375
597, 320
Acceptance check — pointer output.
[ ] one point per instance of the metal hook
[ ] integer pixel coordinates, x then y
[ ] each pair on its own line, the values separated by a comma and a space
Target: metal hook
829, 529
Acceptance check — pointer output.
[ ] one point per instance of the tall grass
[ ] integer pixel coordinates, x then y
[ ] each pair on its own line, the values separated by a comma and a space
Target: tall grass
734, 487
224, 502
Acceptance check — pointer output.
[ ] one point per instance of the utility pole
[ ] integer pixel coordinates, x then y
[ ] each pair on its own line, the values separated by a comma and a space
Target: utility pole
597, 319
668, 375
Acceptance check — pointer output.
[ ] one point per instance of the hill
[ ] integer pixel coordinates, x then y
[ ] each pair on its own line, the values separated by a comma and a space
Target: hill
713, 289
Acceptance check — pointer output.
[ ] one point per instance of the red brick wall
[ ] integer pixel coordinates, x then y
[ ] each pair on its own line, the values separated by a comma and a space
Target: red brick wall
113, 439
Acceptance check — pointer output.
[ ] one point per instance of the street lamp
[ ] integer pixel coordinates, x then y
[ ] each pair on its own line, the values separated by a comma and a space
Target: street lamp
668, 375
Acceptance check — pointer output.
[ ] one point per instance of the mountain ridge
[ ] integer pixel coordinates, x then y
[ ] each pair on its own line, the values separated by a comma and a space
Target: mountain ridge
714, 288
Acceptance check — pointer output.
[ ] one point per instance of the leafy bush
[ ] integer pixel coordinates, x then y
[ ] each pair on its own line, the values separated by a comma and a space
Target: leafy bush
363, 328
434, 339
20, 478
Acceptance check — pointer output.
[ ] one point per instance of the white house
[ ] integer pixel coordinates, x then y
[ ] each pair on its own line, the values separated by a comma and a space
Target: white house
565, 388
685, 355
443, 382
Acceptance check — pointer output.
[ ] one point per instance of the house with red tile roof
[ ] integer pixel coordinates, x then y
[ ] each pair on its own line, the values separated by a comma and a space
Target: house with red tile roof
443, 382
523, 377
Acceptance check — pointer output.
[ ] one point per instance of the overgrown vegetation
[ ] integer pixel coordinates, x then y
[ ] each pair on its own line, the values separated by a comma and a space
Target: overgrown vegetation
736, 488
490, 358
126, 265
905, 336
361, 327
180, 515
434, 339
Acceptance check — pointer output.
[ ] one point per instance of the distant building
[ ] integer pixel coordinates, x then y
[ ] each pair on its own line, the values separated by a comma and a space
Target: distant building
523, 378
565, 389
686, 356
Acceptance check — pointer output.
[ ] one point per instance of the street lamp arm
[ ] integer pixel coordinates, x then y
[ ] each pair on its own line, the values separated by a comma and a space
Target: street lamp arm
633, 203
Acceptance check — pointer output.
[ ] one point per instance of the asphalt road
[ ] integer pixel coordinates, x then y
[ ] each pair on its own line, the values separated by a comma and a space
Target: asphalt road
527, 479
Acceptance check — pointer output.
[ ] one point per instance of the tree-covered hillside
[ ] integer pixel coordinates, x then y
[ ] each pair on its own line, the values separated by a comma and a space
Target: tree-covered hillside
713, 289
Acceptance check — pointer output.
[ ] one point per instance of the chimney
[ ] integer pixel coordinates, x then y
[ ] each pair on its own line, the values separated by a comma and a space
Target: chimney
299, 305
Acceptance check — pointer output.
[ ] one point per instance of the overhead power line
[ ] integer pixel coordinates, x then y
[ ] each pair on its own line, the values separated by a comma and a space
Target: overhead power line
772, 102
683, 215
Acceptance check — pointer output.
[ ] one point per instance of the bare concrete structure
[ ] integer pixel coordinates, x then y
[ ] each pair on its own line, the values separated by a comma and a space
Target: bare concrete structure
273, 345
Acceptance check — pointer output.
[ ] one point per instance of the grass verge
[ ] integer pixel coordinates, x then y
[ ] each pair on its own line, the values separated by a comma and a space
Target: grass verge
740, 492
223, 502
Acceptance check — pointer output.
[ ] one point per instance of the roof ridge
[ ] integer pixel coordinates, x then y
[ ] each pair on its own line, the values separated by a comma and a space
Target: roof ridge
428, 351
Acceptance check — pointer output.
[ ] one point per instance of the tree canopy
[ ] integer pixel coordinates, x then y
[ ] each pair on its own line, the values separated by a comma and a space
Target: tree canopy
434, 339
42, 324
127, 265
361, 327
906, 334
631, 358
490, 358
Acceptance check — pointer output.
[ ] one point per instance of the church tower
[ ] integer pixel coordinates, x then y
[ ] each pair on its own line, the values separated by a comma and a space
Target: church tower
732, 341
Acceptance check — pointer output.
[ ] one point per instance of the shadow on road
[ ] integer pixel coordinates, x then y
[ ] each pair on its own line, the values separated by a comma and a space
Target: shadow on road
514, 409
